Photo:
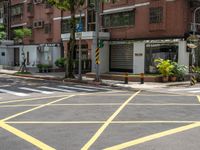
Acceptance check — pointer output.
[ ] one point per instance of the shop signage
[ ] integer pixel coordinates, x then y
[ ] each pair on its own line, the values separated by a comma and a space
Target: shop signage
138, 54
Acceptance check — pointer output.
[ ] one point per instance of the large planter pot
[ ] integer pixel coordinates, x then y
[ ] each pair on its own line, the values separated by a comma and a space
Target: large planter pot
173, 78
165, 79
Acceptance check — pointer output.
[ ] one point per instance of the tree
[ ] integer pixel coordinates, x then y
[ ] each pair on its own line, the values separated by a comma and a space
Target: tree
2, 32
20, 34
72, 6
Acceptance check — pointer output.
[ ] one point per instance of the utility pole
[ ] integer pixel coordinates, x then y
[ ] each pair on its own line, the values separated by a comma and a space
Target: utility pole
193, 77
97, 5
80, 51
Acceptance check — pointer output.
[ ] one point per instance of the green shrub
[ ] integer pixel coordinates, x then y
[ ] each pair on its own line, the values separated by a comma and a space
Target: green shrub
60, 63
39, 66
164, 67
179, 70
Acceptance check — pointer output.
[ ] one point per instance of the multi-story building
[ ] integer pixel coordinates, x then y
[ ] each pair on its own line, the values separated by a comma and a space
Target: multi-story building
44, 45
135, 32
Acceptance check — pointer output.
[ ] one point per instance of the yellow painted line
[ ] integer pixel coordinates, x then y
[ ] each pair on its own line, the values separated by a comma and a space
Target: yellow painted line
38, 107
102, 104
55, 122
105, 125
31, 105
153, 137
164, 104
198, 97
31, 99
26, 137
98, 122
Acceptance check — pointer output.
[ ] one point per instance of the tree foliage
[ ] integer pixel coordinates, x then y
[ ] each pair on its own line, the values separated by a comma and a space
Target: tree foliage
2, 32
22, 33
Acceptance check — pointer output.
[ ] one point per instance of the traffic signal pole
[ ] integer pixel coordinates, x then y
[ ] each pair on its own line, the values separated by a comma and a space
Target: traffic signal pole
97, 4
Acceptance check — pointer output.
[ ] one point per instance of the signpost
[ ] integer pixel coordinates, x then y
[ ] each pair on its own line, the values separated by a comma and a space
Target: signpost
79, 30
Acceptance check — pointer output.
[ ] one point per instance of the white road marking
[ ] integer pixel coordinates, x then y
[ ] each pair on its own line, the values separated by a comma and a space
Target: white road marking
186, 89
77, 88
196, 91
91, 87
35, 90
13, 93
56, 89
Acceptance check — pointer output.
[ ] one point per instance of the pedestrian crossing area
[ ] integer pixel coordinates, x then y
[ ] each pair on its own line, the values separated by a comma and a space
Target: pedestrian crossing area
195, 90
27, 91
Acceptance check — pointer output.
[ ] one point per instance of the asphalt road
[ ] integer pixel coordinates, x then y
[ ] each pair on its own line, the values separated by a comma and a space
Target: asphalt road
101, 119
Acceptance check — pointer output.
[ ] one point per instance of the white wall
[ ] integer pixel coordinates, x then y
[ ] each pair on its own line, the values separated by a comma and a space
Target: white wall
8, 59
56, 53
183, 56
104, 58
32, 49
138, 57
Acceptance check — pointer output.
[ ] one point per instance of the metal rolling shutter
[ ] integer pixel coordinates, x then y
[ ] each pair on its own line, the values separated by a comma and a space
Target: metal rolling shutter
121, 57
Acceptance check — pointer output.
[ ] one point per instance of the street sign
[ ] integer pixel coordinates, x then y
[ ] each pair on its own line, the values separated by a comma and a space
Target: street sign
101, 44
79, 27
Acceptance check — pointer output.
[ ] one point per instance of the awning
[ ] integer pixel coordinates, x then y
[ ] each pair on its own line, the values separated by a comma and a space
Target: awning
123, 9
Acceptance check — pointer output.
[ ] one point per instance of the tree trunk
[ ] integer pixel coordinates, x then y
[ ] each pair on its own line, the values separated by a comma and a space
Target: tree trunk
72, 42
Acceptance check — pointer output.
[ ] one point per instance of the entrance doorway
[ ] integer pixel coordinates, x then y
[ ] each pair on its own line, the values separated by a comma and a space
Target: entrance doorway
16, 57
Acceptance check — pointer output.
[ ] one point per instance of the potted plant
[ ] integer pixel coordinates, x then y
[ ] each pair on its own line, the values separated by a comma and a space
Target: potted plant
165, 68
40, 67
179, 71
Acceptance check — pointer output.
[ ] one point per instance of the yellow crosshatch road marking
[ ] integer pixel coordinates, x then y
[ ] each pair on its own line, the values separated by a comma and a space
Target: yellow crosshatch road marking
31, 99
105, 125
154, 136
38, 107
103, 104
99, 122
198, 98
25, 137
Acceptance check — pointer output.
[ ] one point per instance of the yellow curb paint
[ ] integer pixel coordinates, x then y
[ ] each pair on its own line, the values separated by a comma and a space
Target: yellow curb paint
198, 97
31, 99
25, 137
105, 125
99, 122
38, 107
153, 136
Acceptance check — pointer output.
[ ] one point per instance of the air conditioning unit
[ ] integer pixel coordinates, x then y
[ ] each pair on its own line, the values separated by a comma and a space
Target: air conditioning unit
38, 1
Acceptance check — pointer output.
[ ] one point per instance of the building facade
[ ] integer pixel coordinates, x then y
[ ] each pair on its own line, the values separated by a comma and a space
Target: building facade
135, 32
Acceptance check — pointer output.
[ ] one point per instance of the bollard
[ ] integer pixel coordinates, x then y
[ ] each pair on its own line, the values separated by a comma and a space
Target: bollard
126, 78
142, 78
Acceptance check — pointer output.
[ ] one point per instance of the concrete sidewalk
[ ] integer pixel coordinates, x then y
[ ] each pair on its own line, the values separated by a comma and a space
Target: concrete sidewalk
59, 76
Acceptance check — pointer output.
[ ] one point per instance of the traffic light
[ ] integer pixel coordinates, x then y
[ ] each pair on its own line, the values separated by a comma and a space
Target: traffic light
101, 44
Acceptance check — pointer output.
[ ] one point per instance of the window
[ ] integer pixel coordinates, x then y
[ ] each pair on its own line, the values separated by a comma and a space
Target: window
119, 19
155, 15
47, 28
30, 8
17, 10
66, 25
47, 4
